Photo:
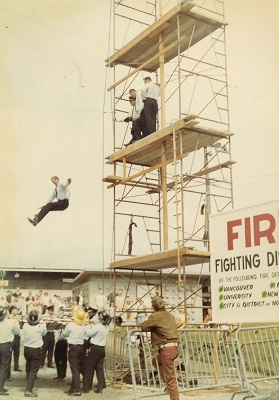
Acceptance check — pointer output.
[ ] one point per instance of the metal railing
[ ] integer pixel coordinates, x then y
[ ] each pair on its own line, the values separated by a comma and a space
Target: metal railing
258, 355
208, 358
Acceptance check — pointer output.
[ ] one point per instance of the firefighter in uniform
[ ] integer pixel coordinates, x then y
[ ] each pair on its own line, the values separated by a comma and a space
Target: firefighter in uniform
8, 329
98, 334
75, 334
49, 340
33, 332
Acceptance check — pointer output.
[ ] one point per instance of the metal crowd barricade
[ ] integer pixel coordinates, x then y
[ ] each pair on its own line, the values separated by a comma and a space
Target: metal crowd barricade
258, 353
207, 359
117, 353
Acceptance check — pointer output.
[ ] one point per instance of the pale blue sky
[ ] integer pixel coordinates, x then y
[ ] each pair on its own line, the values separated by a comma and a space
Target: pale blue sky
52, 86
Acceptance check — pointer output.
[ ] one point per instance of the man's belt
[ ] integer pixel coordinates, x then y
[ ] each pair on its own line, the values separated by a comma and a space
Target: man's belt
168, 345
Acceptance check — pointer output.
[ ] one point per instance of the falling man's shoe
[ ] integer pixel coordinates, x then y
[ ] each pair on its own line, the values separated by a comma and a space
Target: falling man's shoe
33, 221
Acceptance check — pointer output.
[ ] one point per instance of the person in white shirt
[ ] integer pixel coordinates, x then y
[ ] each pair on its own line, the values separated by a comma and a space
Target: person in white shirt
98, 334
45, 301
21, 305
100, 301
49, 339
33, 332
56, 302
139, 125
29, 302
62, 193
8, 329
133, 117
17, 293
150, 96
119, 301
79, 299
75, 333
14, 313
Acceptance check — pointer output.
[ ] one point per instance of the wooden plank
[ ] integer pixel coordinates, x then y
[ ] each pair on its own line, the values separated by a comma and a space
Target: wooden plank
145, 64
151, 156
191, 141
205, 18
162, 260
199, 30
146, 152
213, 132
157, 26
112, 178
146, 171
154, 138
141, 48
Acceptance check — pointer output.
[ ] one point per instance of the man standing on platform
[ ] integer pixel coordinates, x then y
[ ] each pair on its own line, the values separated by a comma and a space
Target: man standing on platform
150, 96
138, 125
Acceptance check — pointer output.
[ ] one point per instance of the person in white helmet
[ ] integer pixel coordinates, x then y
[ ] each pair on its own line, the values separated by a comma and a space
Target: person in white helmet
98, 334
33, 332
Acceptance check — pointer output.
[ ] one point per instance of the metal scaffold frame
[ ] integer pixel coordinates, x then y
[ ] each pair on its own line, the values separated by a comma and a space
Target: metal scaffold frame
167, 184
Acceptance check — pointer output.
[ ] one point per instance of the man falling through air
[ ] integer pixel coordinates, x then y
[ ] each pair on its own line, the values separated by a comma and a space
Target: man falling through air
62, 193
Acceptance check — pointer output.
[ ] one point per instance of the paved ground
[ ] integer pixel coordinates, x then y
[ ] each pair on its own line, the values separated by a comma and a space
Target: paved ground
47, 389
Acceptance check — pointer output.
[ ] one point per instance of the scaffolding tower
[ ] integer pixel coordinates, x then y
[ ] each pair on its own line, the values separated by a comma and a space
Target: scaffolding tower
167, 184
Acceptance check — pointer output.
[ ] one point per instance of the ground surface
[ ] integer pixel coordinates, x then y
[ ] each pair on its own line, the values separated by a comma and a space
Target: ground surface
48, 389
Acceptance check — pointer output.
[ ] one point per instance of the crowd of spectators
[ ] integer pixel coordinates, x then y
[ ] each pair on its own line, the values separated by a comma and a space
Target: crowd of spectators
26, 302
131, 312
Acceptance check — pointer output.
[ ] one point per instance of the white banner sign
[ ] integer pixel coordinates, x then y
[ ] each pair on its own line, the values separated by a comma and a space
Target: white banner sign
245, 264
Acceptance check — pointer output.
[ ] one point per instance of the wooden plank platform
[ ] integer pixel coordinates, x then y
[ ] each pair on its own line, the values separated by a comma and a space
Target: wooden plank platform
147, 151
162, 260
194, 26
